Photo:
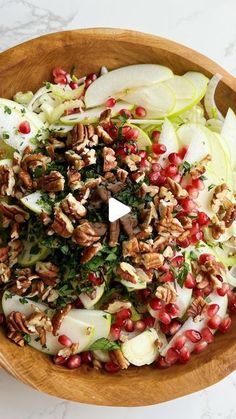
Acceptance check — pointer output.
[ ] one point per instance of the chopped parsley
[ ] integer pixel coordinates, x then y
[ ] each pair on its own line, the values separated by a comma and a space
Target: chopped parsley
182, 274
7, 110
23, 300
210, 187
186, 167
104, 345
27, 338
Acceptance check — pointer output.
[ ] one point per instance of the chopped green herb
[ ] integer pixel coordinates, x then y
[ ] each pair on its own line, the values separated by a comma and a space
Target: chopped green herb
193, 255
7, 110
5, 136
47, 85
182, 274
65, 249
203, 177
27, 338
104, 345
8, 295
186, 167
23, 300
210, 187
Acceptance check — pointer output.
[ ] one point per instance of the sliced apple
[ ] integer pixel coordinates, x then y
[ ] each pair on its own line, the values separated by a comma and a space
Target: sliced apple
92, 115
11, 115
98, 319
121, 79
90, 302
77, 330
141, 350
157, 99
34, 203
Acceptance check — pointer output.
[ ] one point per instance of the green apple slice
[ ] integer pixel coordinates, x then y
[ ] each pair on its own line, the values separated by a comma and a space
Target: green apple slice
32, 252
199, 324
141, 350
228, 133
11, 115
158, 99
34, 203
77, 330
92, 115
143, 140
169, 138
98, 319
121, 79
89, 302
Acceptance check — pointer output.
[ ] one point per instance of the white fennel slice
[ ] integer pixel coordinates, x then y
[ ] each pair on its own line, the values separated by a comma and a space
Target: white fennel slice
141, 350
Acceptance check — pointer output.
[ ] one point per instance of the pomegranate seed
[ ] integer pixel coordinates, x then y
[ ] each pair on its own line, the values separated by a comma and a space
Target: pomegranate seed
205, 257
73, 85
90, 78
195, 228
174, 158
183, 243
193, 192
171, 171
187, 204
165, 328
96, 280
131, 148
140, 112
190, 281
143, 154
184, 355
156, 136
193, 335
124, 314
161, 180
195, 238
115, 331
232, 305
214, 322
167, 277
172, 309
223, 290
111, 367
65, 341
140, 325
156, 167
164, 267
161, 363
180, 342
119, 323
149, 321
73, 362
144, 294
110, 102
174, 326
125, 113
158, 148
199, 347
121, 153
113, 132
198, 292
203, 219
198, 183
2, 318
86, 357
213, 309
182, 152
155, 303
24, 127
57, 71
164, 317
177, 261
207, 335
154, 177
130, 133
177, 178
207, 290
60, 80
225, 325
59, 360
172, 356
78, 303
129, 325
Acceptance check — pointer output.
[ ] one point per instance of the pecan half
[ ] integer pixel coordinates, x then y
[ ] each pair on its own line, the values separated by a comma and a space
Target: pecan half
103, 135
116, 306
131, 161
148, 214
74, 179
152, 260
127, 272
74, 159
7, 180
53, 182
24, 278
109, 159
90, 252
121, 175
114, 232
85, 235
62, 224
25, 179
197, 308
58, 318
16, 321
127, 223
119, 359
130, 247
78, 135
32, 161
166, 293
73, 208
105, 117
13, 212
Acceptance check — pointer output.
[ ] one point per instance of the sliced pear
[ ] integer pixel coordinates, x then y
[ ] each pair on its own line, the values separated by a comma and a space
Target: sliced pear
10, 121
6, 152
141, 350
92, 115
121, 79
100, 320
229, 134
60, 129
6, 162
89, 302
33, 202
77, 330
32, 252
157, 99
184, 92
192, 136
169, 138
143, 140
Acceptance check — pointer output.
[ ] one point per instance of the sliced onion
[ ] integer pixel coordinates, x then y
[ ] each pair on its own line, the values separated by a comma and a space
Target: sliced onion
36, 96
209, 99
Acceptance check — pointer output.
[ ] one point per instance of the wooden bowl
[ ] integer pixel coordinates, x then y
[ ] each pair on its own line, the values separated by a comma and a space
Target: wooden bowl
25, 67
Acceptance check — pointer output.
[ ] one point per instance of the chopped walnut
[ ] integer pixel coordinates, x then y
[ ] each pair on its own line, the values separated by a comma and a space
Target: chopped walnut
74, 179
62, 224
152, 260
54, 182
114, 233
166, 293
89, 157
73, 208
32, 161
109, 159
13, 212
72, 350
147, 190
84, 235
207, 274
220, 192
131, 161
217, 227
74, 159
58, 318
15, 248
138, 176
90, 252
176, 189
38, 322
199, 169
122, 175
24, 278
15, 231
7, 180
5, 273
103, 135
148, 214
230, 215
197, 308
119, 359
105, 117
45, 218
127, 272
170, 227
130, 247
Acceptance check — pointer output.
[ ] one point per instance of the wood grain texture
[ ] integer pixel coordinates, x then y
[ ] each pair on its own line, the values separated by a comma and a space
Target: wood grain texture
25, 67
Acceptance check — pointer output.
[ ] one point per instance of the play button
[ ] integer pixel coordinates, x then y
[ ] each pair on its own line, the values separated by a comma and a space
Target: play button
116, 209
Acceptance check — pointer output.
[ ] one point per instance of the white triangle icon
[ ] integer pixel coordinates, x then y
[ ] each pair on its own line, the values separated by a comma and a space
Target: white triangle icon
116, 209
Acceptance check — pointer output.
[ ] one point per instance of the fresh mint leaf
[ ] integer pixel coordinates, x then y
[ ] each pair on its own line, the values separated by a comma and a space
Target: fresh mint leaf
104, 345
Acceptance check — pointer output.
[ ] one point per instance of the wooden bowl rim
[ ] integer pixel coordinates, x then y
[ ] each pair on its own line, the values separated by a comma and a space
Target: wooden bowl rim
93, 387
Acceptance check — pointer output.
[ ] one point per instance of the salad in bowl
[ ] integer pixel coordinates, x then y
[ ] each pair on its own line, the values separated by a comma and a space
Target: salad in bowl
149, 286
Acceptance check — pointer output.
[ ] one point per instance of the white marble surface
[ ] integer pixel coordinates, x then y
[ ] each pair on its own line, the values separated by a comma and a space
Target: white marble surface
206, 25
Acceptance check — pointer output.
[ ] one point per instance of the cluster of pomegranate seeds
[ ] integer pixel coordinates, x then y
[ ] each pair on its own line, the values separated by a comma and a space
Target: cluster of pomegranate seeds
59, 76
89, 79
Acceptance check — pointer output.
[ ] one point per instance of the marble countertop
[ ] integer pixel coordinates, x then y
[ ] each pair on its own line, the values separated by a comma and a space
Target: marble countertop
207, 26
